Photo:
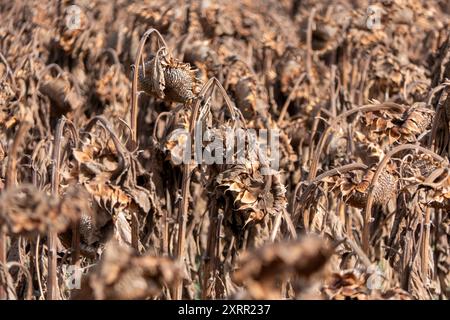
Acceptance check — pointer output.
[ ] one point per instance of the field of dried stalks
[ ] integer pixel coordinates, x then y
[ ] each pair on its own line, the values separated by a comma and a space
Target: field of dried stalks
95, 205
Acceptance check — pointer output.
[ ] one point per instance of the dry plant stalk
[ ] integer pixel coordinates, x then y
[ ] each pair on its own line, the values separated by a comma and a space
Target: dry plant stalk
358, 101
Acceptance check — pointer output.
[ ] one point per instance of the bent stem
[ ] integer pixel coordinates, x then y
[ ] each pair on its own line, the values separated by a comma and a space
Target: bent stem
368, 209
134, 96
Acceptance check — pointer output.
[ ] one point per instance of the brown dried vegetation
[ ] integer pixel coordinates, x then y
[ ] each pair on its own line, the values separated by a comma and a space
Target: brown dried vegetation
89, 153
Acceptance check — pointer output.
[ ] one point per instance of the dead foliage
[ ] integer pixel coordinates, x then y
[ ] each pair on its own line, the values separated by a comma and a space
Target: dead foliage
92, 102
123, 274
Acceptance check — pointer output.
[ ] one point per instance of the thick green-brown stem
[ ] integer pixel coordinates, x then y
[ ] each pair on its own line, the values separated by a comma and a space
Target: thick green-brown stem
368, 209
52, 287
